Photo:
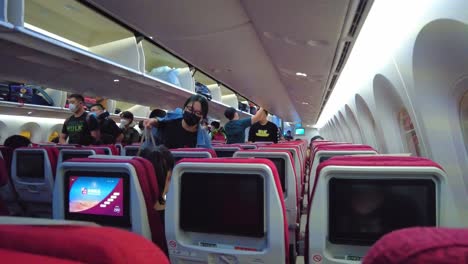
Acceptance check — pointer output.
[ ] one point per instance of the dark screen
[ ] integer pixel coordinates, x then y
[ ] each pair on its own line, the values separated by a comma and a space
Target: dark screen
131, 151
225, 153
30, 165
67, 156
230, 204
176, 159
322, 159
249, 147
280, 167
361, 211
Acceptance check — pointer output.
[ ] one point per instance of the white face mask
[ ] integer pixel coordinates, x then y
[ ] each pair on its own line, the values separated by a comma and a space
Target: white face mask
124, 122
73, 108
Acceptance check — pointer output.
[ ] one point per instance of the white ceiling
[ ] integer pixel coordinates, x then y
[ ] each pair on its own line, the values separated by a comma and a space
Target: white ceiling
254, 46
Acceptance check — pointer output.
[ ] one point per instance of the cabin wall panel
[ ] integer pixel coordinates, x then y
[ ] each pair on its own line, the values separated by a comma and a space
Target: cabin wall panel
424, 64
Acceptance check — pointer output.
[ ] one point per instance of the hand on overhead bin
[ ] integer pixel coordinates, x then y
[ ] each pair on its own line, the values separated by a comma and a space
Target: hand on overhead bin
149, 123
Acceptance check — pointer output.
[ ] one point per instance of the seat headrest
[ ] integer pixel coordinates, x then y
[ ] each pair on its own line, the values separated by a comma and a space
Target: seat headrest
420, 245
82, 244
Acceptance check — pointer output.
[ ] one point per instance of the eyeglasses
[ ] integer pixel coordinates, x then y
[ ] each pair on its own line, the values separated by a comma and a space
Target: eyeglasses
190, 109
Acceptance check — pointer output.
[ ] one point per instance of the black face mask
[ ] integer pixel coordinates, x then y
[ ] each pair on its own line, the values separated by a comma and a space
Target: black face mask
191, 119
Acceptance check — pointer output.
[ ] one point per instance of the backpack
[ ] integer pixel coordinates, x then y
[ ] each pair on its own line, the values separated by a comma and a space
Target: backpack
202, 89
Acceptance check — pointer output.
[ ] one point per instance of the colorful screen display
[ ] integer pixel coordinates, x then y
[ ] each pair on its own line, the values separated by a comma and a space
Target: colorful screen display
96, 195
300, 131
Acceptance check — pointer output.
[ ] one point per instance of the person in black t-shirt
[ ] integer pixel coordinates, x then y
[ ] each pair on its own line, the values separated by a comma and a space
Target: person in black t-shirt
110, 132
288, 136
182, 129
264, 130
79, 128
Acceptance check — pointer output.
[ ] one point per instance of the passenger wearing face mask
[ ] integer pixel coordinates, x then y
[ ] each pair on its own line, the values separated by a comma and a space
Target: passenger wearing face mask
79, 128
181, 128
130, 134
110, 132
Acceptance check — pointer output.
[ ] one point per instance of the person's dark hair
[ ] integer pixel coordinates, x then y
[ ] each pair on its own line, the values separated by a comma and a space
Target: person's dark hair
162, 161
140, 125
127, 115
55, 140
117, 111
315, 138
230, 112
157, 113
100, 106
16, 141
78, 97
289, 131
202, 100
215, 124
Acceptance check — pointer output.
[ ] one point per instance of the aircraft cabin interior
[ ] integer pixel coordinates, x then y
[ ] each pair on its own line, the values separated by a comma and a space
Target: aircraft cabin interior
234, 131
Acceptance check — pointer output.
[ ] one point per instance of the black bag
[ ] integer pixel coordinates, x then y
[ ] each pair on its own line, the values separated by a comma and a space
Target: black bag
202, 89
243, 107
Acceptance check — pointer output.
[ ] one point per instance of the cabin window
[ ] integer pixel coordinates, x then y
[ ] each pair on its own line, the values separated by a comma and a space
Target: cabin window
411, 141
464, 118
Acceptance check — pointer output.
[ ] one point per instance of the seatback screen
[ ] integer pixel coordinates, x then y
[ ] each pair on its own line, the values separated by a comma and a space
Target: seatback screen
322, 159
71, 155
224, 153
361, 211
228, 204
131, 151
30, 165
98, 197
280, 167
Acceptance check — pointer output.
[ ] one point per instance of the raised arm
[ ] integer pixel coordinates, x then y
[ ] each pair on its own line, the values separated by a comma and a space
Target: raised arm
258, 116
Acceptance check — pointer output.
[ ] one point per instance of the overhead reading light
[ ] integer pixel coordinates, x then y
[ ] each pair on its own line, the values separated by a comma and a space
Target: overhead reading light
301, 74
116, 80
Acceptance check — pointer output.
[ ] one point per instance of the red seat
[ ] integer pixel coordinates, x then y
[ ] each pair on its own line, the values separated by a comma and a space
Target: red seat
7, 154
359, 161
149, 187
420, 245
211, 151
12, 256
279, 190
77, 243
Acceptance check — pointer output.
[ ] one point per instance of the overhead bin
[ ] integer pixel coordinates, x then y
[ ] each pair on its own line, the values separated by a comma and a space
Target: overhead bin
230, 100
215, 92
81, 27
63, 58
165, 66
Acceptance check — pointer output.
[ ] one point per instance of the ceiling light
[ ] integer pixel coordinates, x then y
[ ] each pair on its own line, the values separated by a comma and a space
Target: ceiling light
116, 80
305, 103
30, 113
151, 37
301, 74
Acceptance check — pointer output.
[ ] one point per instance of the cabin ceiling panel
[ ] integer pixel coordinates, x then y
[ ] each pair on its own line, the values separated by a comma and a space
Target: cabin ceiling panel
256, 47
300, 36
